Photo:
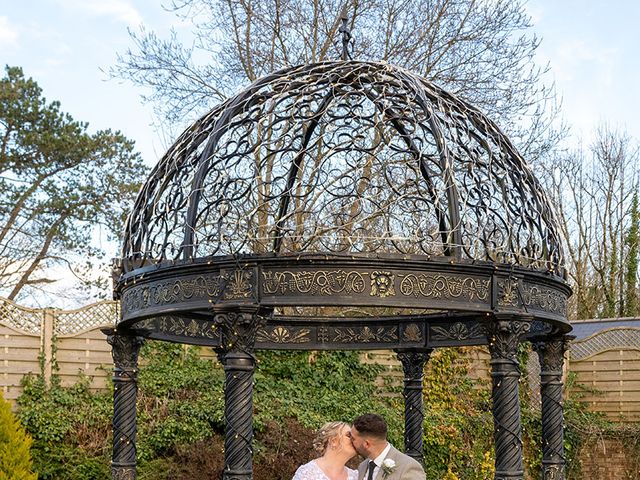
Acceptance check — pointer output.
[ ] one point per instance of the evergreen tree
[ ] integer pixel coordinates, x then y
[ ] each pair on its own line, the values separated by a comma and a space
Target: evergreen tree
631, 274
15, 458
59, 185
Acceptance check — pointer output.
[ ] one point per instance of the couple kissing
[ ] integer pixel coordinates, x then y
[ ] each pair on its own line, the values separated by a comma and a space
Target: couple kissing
337, 443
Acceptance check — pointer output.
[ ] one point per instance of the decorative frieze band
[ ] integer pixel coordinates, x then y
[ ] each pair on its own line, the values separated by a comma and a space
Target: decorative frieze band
375, 283
445, 286
515, 293
317, 285
318, 282
180, 327
275, 335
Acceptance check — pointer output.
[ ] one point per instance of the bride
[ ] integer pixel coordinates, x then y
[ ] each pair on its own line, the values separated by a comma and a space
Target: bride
333, 443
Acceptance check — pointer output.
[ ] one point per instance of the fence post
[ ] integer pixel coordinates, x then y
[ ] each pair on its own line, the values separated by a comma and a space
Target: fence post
47, 344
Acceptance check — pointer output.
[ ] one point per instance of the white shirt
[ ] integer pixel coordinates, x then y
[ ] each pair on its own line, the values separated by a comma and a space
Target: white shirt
378, 461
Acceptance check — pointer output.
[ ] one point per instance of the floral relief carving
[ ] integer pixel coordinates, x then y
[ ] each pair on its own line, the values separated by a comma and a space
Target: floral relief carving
238, 284
514, 293
191, 328
412, 333
456, 331
365, 335
508, 293
323, 334
239, 329
180, 327
504, 337
124, 349
551, 354
282, 334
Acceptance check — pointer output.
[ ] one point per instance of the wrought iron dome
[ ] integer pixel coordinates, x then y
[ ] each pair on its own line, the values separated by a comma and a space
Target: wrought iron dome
343, 157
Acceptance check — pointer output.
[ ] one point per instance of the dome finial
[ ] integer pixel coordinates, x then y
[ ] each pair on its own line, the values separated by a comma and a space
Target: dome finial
346, 34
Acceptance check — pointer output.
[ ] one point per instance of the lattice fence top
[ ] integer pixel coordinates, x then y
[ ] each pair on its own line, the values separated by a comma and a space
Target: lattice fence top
91, 316
610, 339
26, 319
65, 322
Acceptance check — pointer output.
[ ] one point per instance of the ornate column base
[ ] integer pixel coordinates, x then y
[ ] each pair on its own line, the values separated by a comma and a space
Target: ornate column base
121, 472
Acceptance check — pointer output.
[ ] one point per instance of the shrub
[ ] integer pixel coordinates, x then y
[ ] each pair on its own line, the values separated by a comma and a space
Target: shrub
15, 443
70, 427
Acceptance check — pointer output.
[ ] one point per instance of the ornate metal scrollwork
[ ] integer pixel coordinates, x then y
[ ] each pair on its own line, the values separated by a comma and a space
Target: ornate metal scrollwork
283, 172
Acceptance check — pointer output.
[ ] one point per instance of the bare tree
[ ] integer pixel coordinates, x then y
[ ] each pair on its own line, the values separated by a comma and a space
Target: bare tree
594, 192
480, 50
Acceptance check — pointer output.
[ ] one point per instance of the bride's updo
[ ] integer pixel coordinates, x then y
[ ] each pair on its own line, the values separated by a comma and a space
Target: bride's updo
328, 432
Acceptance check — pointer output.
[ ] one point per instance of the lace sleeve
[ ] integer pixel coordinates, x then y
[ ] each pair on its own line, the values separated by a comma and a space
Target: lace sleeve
305, 472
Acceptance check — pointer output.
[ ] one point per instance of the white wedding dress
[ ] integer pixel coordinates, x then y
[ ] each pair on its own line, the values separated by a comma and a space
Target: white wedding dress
311, 471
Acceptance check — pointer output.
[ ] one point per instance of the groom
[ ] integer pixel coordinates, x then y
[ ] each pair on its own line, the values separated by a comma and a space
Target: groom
383, 461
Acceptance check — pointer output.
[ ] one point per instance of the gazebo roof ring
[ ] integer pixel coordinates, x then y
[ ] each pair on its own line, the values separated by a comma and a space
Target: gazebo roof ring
342, 184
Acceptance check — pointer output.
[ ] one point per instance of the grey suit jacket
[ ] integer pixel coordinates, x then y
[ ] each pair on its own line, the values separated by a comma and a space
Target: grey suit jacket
406, 468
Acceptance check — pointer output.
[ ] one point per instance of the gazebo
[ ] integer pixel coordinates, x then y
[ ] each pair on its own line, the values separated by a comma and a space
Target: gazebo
344, 205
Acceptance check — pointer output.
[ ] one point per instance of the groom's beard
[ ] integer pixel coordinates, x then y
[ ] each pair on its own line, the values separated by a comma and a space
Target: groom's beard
360, 452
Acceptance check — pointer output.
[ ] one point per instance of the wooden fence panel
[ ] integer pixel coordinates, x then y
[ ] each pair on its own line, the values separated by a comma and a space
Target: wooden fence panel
607, 369
86, 353
28, 335
19, 351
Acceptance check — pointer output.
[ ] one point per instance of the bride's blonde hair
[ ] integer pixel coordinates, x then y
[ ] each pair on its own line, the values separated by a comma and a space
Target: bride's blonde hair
328, 432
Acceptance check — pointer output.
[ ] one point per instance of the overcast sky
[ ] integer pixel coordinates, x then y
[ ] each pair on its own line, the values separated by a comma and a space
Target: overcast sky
67, 45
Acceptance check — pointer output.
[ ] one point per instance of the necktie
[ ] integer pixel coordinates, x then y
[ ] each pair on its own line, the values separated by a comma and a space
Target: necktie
372, 466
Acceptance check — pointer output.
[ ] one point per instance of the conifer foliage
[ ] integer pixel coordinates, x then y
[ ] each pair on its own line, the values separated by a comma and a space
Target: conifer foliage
15, 443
